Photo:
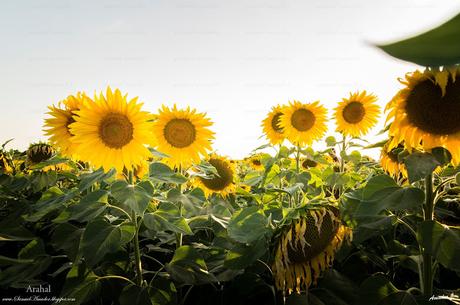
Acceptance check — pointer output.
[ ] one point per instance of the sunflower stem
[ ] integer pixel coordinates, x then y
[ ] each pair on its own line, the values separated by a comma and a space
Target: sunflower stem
137, 255
343, 153
297, 159
179, 236
428, 208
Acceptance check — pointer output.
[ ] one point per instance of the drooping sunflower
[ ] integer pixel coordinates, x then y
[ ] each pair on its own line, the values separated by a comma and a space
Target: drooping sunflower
304, 123
223, 184
426, 113
183, 135
39, 152
57, 125
306, 247
309, 163
356, 115
271, 125
390, 162
112, 132
5, 164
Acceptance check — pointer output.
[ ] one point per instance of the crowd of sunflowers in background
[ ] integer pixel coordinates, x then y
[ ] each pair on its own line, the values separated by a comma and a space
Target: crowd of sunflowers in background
123, 206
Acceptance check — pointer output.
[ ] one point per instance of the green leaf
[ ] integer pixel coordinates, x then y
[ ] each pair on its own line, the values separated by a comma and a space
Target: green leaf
133, 197
398, 298
67, 237
442, 155
160, 172
395, 199
167, 218
188, 267
242, 256
101, 237
437, 47
375, 288
23, 271
33, 249
331, 141
442, 242
135, 295
88, 208
419, 165
87, 180
80, 286
50, 201
248, 225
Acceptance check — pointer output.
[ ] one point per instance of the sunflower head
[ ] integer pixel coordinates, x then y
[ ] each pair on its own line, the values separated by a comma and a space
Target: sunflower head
112, 131
306, 247
139, 171
271, 125
304, 123
39, 152
183, 135
309, 163
57, 125
390, 162
5, 164
356, 115
426, 112
223, 183
255, 161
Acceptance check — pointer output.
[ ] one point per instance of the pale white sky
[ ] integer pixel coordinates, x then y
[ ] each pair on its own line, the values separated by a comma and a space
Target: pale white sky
232, 59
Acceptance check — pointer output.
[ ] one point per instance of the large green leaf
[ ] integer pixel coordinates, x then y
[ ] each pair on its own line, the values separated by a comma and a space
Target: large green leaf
51, 200
242, 256
87, 180
80, 286
395, 199
101, 237
375, 288
67, 237
419, 165
160, 172
132, 197
441, 241
167, 218
437, 47
89, 207
188, 267
248, 225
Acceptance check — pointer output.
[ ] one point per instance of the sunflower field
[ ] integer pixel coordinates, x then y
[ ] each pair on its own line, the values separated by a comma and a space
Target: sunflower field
123, 206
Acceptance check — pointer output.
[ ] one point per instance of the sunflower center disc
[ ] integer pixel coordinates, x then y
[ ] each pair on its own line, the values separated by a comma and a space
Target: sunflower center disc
354, 112
309, 163
276, 123
316, 242
256, 162
179, 133
225, 176
116, 130
303, 119
428, 110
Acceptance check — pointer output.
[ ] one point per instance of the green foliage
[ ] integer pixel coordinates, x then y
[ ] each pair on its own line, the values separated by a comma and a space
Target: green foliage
437, 47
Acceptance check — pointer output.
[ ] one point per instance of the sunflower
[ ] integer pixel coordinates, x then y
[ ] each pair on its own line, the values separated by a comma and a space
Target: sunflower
304, 123
390, 162
309, 163
112, 132
255, 162
39, 152
5, 164
183, 135
271, 125
57, 125
306, 247
223, 183
426, 113
357, 114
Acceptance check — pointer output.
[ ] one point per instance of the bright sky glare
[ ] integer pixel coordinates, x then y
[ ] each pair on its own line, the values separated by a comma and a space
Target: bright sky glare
232, 59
